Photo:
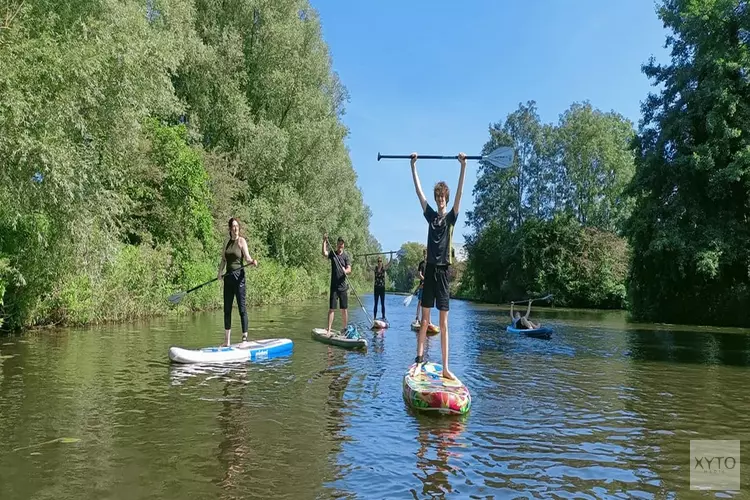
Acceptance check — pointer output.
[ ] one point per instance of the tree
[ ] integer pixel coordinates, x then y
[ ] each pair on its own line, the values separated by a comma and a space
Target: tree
689, 229
130, 132
566, 184
596, 164
404, 270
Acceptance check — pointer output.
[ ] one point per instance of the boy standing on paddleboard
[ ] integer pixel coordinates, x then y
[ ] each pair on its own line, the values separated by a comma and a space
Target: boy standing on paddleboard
436, 291
340, 267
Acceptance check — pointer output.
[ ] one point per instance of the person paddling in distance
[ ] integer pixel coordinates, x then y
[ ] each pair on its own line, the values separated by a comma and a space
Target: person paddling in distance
340, 267
420, 273
522, 322
436, 291
235, 250
379, 284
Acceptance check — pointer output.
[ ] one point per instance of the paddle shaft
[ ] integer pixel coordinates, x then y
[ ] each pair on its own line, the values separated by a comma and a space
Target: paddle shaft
428, 157
374, 253
211, 281
531, 300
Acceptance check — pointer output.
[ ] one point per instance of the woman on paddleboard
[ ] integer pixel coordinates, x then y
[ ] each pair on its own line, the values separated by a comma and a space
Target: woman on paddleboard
379, 285
235, 250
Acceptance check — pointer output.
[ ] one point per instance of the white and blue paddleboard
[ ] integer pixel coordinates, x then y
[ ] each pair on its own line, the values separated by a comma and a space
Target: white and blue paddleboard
254, 350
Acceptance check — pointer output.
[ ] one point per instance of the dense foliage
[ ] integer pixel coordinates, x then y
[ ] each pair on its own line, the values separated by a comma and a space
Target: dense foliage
690, 229
131, 130
403, 271
548, 223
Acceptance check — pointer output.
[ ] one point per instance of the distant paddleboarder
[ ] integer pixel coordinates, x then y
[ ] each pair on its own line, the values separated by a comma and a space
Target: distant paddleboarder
340, 267
420, 273
379, 285
522, 322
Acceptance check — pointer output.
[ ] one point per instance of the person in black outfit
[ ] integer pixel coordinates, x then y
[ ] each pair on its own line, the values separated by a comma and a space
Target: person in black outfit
379, 285
436, 291
340, 267
420, 273
235, 249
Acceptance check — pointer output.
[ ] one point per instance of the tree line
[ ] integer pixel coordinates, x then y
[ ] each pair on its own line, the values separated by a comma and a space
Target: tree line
655, 219
131, 131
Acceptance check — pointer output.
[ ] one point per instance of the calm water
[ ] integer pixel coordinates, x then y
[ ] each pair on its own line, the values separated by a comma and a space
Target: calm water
602, 410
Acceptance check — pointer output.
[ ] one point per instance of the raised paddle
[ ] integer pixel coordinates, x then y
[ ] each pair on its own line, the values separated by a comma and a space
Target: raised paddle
407, 300
501, 157
177, 297
546, 297
375, 253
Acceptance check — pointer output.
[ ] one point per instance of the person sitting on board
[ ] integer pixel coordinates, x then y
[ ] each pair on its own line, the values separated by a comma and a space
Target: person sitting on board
340, 267
436, 291
420, 272
379, 285
522, 322
234, 281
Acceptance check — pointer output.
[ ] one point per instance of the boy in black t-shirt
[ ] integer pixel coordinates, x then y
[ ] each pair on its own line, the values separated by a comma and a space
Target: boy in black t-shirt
340, 267
439, 256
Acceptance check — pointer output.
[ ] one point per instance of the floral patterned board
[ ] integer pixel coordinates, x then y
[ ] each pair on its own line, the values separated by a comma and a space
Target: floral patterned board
431, 329
427, 390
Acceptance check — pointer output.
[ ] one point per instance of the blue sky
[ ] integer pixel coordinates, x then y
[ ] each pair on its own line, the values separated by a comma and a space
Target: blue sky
431, 77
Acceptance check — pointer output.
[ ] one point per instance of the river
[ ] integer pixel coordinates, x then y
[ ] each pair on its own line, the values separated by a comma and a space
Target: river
603, 409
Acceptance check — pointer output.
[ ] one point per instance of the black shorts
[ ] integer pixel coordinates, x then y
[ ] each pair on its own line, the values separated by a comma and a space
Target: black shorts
338, 295
436, 292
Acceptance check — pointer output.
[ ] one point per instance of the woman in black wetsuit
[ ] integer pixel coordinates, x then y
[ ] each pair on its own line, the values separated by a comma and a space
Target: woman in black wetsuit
235, 250
379, 286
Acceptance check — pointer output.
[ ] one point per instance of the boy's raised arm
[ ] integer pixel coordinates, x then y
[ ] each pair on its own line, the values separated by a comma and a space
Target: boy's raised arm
457, 201
417, 185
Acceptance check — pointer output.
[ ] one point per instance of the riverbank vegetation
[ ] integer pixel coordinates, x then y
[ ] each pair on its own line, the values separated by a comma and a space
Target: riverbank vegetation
131, 131
655, 220
552, 222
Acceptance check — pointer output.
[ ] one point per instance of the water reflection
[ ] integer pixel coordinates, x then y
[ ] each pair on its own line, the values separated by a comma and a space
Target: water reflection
437, 462
604, 409
710, 348
233, 450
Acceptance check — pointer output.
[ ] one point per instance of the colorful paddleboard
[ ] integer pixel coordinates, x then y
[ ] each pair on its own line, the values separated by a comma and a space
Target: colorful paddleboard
431, 329
427, 390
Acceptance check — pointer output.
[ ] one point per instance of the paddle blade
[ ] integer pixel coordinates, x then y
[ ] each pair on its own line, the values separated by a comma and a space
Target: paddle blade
407, 300
176, 298
501, 157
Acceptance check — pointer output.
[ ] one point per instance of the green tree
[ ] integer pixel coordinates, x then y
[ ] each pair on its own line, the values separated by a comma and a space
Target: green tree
689, 229
404, 270
131, 131
566, 179
596, 164
509, 195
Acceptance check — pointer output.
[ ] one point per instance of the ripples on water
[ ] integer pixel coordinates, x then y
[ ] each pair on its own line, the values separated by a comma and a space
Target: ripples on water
602, 410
